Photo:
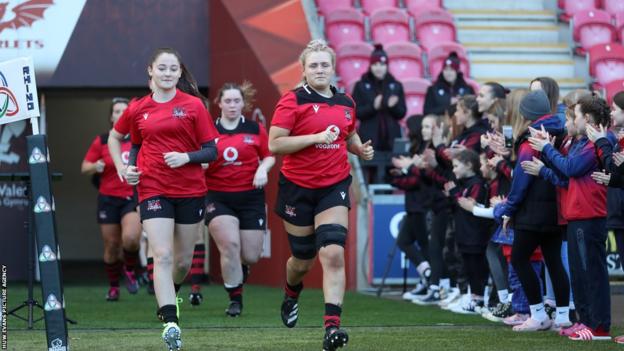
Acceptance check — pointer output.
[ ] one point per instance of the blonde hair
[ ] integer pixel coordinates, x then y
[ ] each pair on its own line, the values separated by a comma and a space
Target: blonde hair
316, 45
246, 89
518, 123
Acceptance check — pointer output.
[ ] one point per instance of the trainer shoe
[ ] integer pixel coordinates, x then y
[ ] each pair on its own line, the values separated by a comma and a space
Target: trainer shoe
531, 325
290, 312
619, 339
498, 313
335, 338
172, 336
112, 294
472, 307
516, 319
451, 296
234, 309
131, 283
433, 297
571, 330
196, 298
589, 334
419, 290
558, 327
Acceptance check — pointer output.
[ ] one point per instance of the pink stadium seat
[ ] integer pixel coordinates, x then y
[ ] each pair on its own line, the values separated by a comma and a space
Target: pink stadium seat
353, 60
613, 6
606, 62
344, 25
593, 27
619, 25
416, 6
370, 6
572, 7
389, 25
613, 88
328, 6
415, 90
405, 60
434, 26
440, 52
475, 86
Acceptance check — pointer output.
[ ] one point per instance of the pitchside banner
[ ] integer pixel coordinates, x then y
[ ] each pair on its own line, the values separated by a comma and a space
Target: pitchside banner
18, 90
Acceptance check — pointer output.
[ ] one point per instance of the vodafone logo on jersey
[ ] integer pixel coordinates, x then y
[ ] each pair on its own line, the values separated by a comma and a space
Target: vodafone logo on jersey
37, 28
125, 157
230, 155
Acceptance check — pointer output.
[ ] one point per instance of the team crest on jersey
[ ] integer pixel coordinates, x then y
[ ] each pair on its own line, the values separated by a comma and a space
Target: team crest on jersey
154, 205
178, 112
210, 208
290, 210
316, 108
248, 139
348, 115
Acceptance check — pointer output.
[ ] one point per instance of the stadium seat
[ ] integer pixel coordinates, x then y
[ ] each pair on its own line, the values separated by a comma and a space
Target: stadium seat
606, 63
344, 25
593, 27
370, 6
416, 6
328, 6
613, 88
415, 90
389, 25
619, 25
353, 60
572, 7
434, 26
405, 60
440, 52
475, 86
613, 6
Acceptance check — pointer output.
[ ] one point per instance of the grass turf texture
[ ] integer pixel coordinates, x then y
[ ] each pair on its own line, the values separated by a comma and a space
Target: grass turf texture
373, 324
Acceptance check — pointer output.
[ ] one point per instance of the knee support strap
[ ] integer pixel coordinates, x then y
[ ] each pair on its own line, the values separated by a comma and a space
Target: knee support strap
302, 247
330, 234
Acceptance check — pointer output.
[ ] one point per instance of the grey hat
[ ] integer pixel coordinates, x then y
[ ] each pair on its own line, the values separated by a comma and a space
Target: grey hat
535, 105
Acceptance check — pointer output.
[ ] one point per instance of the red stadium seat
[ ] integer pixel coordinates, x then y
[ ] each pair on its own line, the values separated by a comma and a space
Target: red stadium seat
353, 60
344, 25
434, 26
593, 27
440, 52
606, 62
619, 25
405, 60
370, 6
415, 90
613, 88
328, 6
613, 6
572, 7
416, 6
389, 25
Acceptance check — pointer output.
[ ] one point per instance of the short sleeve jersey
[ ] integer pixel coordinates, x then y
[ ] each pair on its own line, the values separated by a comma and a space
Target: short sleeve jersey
239, 152
181, 125
303, 111
110, 184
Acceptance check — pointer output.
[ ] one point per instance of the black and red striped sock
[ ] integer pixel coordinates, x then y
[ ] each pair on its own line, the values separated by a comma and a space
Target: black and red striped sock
293, 291
131, 259
113, 271
332, 316
150, 271
235, 293
197, 267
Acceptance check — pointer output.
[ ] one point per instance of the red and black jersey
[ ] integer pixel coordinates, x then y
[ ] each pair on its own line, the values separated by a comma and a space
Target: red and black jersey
239, 152
303, 111
181, 125
110, 184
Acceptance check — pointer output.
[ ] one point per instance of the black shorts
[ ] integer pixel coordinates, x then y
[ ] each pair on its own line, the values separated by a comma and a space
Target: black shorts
298, 205
183, 210
111, 209
248, 206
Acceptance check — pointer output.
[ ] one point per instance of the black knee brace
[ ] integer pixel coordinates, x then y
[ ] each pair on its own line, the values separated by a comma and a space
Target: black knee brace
302, 247
328, 234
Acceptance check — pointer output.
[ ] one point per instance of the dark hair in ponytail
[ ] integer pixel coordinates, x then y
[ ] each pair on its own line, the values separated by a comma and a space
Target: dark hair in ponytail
597, 108
498, 91
187, 82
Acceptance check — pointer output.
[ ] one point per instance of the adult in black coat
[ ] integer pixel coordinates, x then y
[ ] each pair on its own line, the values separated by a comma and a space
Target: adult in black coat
380, 103
449, 86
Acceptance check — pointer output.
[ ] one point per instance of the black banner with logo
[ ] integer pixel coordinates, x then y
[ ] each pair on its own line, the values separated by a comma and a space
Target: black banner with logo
42, 203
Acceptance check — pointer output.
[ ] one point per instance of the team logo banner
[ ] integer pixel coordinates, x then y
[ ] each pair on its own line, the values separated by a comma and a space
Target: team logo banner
18, 90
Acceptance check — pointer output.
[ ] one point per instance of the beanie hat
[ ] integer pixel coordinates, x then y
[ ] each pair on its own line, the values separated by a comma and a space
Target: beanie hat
618, 99
452, 61
379, 55
535, 105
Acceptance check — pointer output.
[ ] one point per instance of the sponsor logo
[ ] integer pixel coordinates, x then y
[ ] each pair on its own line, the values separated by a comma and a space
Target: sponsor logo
348, 115
248, 139
327, 146
201, 211
26, 14
52, 303
125, 157
103, 215
9, 132
316, 108
8, 102
47, 255
343, 194
230, 155
36, 156
179, 112
260, 221
290, 210
57, 345
210, 208
145, 115
42, 205
154, 205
